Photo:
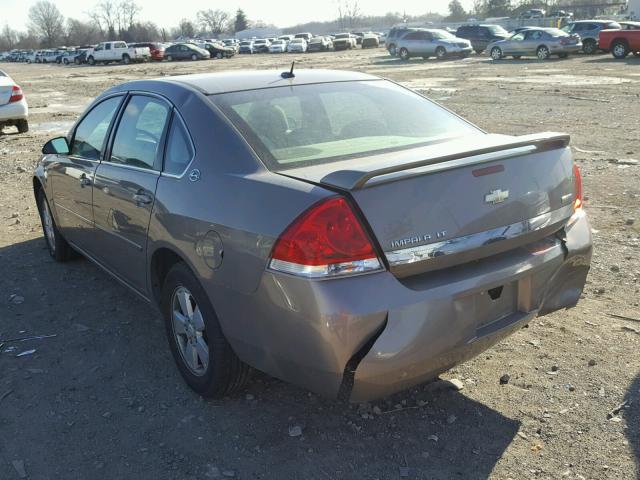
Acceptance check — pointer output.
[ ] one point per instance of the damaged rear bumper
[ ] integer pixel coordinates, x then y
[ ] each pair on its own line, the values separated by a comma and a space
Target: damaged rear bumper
369, 336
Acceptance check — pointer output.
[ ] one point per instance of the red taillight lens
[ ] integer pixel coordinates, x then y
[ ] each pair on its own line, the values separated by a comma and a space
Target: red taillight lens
577, 179
326, 240
16, 94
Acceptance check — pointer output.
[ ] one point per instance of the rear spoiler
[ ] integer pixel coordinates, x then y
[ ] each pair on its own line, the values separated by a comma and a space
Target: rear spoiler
498, 150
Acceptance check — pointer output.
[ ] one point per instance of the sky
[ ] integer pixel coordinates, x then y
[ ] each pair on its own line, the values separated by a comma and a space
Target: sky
279, 12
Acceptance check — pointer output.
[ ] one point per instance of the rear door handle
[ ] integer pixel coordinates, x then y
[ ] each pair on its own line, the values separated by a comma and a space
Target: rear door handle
142, 199
84, 181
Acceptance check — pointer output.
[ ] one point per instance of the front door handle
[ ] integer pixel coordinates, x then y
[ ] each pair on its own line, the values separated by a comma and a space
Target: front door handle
84, 181
141, 199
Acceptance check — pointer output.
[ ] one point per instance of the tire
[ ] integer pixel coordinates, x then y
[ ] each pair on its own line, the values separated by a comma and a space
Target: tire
169, 58
66, 61
479, 50
392, 50
76, 61
404, 54
496, 53
126, 59
441, 53
589, 47
620, 49
194, 57
542, 52
219, 55
23, 126
91, 60
57, 246
213, 372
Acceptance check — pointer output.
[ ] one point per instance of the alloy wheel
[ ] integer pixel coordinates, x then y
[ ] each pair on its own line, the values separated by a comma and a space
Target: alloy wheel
189, 331
496, 53
543, 53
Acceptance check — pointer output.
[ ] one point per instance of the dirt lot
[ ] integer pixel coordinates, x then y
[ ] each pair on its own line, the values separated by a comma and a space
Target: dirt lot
102, 399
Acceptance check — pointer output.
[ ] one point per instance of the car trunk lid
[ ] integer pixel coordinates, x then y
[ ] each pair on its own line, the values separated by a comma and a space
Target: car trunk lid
456, 201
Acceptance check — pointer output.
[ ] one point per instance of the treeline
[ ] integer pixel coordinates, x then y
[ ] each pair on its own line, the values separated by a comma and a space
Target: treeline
111, 20
511, 8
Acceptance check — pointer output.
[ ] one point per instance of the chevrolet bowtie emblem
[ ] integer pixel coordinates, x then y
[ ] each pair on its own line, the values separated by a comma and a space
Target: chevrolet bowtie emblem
496, 196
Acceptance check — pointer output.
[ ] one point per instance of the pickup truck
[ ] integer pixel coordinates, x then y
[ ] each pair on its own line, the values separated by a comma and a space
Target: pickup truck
117, 52
621, 42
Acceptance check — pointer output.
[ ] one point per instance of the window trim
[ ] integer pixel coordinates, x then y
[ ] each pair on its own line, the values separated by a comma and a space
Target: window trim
176, 114
106, 142
159, 160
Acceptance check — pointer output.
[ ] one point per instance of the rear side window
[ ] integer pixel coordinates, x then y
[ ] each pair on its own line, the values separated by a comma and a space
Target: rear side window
179, 150
89, 138
304, 125
140, 131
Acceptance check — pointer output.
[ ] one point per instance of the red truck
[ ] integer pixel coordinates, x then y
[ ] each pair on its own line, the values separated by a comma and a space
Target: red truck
621, 42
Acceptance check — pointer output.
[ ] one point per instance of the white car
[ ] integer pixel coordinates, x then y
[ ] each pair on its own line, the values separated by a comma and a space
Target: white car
278, 46
13, 105
297, 45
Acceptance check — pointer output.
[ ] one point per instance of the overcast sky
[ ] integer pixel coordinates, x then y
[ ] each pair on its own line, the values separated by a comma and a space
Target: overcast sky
283, 13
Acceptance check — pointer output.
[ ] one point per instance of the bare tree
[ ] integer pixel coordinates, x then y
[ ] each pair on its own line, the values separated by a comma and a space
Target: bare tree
47, 22
8, 38
82, 33
104, 15
349, 13
214, 21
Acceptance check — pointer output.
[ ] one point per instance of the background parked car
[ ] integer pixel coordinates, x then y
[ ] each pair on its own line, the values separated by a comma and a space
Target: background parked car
66, 57
319, 44
481, 35
278, 46
217, 50
246, 46
432, 43
344, 41
370, 40
539, 42
621, 42
185, 51
81, 57
156, 50
13, 104
533, 13
589, 30
297, 45
394, 35
306, 36
261, 45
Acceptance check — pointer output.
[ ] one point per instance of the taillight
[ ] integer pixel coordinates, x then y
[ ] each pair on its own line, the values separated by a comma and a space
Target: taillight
327, 240
16, 94
577, 180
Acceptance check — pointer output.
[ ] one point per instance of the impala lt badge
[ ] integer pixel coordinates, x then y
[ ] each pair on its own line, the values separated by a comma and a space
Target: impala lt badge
496, 196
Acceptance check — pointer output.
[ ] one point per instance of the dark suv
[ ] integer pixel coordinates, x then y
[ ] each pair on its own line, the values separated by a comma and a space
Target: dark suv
588, 30
481, 35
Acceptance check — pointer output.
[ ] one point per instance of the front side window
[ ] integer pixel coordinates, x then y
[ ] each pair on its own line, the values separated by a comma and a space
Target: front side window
89, 138
138, 138
303, 125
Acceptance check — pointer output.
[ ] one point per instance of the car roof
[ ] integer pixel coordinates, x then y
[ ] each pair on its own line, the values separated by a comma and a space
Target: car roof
233, 81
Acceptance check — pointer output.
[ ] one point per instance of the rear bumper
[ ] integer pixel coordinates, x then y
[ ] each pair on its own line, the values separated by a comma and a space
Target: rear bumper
14, 111
369, 336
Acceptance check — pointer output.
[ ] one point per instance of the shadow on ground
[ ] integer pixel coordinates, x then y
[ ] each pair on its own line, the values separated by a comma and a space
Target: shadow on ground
102, 399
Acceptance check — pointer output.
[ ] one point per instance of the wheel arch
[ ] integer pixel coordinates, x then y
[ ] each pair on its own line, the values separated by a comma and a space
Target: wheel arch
160, 263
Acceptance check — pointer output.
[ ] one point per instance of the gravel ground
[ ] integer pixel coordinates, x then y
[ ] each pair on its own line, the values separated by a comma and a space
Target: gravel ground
102, 399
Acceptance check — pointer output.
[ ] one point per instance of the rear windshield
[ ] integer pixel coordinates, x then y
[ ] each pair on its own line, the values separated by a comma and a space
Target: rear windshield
291, 127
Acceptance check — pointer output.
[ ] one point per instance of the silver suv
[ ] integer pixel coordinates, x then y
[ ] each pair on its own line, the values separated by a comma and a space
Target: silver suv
432, 43
588, 30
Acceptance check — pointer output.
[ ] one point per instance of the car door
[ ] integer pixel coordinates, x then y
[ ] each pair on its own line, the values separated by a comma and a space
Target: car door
532, 41
72, 175
514, 46
424, 43
125, 186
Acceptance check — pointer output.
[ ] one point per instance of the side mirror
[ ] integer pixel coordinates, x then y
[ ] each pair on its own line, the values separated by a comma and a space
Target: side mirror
56, 146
